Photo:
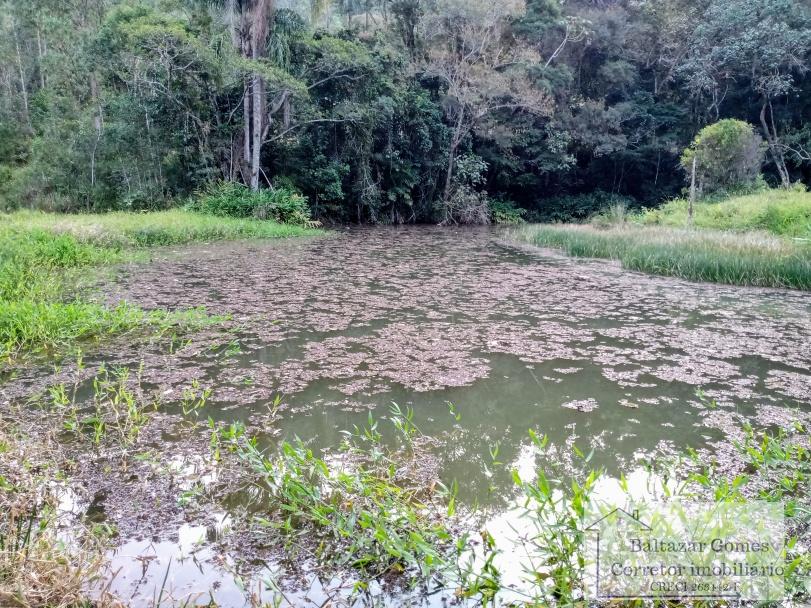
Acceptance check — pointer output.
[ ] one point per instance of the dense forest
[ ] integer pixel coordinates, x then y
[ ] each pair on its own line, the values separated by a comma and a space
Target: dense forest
390, 111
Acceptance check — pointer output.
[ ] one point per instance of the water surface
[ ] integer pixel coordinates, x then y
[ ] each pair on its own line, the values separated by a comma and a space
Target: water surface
515, 338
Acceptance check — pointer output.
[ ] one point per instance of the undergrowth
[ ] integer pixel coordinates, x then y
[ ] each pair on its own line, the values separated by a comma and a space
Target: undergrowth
780, 212
359, 513
761, 239
235, 200
368, 509
555, 503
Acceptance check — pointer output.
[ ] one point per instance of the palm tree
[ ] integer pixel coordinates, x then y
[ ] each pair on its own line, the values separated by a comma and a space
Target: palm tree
256, 20
249, 24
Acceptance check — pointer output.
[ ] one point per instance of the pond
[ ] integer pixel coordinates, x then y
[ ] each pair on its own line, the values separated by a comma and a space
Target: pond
483, 338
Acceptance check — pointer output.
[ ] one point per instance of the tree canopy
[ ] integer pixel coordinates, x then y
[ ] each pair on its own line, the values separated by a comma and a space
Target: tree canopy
392, 110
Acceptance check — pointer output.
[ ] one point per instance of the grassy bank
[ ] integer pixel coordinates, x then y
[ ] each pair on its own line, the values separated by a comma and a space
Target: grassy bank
757, 240
109, 232
779, 212
43, 257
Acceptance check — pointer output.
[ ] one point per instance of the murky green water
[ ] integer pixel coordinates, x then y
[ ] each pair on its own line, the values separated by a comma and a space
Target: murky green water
514, 338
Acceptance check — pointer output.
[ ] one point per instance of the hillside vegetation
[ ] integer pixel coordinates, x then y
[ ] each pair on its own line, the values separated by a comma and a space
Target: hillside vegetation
779, 212
399, 111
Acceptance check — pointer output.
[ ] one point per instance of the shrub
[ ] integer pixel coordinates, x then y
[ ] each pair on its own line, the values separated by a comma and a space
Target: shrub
467, 206
504, 211
578, 206
282, 205
728, 156
231, 199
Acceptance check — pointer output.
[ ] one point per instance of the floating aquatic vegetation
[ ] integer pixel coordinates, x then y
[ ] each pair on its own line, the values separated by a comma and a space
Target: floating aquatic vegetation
582, 405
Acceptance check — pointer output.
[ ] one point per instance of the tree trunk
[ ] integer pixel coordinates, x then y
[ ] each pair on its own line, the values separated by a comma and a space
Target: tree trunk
256, 147
446, 191
246, 139
774, 145
23, 84
40, 57
456, 139
97, 118
231, 16
692, 193
260, 21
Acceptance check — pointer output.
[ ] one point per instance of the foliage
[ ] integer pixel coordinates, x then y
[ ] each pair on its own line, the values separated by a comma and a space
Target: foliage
505, 212
117, 414
555, 502
557, 510
360, 511
727, 154
36, 325
577, 207
366, 108
761, 46
232, 199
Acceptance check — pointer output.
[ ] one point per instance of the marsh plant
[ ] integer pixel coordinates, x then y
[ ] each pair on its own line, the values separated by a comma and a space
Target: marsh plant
224, 439
354, 510
194, 398
365, 511
45, 259
37, 567
548, 538
116, 409
721, 257
761, 239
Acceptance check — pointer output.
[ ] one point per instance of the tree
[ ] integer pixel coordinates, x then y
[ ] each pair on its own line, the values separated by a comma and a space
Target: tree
763, 42
251, 38
482, 68
369, 106
724, 155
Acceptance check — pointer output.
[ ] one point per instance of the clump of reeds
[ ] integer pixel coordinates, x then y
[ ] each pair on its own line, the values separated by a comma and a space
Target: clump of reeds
754, 258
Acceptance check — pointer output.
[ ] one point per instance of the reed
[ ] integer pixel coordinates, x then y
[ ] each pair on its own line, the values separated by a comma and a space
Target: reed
753, 258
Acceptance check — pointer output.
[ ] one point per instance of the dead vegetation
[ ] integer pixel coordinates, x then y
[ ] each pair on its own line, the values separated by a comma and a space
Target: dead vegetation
39, 567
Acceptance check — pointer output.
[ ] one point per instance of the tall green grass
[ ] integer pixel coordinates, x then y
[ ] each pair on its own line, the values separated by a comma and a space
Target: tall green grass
174, 227
756, 259
781, 212
43, 256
